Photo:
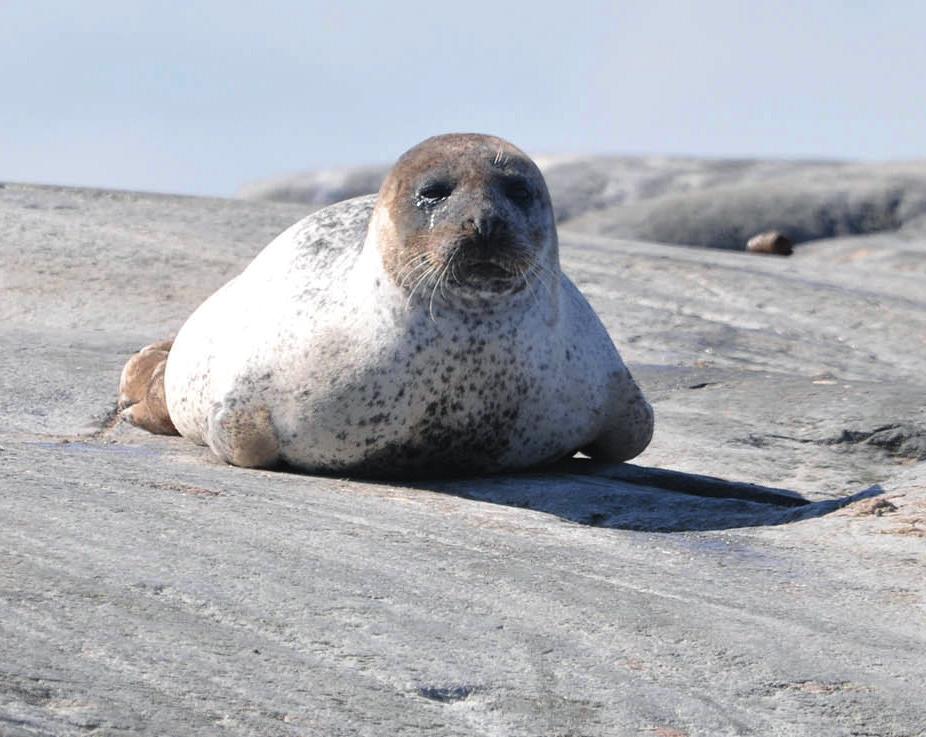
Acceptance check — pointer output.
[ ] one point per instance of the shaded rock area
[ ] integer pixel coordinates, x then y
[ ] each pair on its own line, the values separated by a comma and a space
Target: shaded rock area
758, 571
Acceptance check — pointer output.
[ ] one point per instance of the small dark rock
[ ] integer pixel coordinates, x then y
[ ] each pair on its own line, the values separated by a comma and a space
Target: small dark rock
445, 694
771, 241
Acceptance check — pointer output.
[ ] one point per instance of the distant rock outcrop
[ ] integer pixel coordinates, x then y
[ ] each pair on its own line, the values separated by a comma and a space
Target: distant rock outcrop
716, 203
805, 204
318, 188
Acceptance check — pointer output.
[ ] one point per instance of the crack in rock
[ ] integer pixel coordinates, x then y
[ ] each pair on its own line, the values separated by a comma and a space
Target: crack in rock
445, 694
901, 440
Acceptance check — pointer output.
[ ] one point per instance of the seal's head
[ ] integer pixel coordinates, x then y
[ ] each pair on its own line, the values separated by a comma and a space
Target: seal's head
466, 213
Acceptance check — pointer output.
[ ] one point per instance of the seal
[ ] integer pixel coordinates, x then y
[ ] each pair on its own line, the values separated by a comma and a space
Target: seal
426, 332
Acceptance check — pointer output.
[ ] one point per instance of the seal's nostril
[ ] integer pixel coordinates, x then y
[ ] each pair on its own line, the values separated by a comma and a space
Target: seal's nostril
482, 226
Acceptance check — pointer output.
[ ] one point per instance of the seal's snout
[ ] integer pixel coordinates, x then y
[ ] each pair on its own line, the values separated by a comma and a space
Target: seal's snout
490, 258
487, 240
483, 226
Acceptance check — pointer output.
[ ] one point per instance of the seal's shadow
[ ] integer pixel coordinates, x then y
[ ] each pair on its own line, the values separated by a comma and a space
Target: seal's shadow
630, 497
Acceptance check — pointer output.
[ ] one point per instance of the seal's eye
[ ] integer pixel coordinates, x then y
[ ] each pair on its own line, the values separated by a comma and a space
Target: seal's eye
518, 192
432, 193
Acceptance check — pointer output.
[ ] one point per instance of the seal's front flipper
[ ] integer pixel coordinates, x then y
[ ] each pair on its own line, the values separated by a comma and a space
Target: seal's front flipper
141, 390
243, 436
628, 430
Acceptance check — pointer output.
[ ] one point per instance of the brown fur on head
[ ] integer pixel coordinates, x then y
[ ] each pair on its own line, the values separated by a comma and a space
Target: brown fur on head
467, 211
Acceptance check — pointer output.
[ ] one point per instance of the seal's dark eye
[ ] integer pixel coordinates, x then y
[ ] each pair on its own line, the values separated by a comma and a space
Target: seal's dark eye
434, 192
518, 192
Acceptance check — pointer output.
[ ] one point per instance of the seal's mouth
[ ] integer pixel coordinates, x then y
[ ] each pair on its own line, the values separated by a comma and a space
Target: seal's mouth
497, 276
481, 260
488, 270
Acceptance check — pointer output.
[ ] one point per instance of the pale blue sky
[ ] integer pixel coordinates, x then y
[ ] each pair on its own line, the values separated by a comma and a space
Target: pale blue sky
201, 97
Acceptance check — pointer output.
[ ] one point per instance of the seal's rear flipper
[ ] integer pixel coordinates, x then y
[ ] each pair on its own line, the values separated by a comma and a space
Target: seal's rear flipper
141, 390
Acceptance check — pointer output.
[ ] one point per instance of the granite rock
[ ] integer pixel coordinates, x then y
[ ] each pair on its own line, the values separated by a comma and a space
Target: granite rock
758, 571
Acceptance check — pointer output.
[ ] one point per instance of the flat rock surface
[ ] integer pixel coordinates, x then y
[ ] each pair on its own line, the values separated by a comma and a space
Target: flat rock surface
147, 589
